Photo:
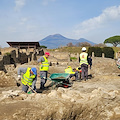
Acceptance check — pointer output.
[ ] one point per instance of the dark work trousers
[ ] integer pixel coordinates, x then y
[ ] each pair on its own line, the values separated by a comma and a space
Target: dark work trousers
90, 66
34, 85
76, 75
43, 75
25, 88
84, 74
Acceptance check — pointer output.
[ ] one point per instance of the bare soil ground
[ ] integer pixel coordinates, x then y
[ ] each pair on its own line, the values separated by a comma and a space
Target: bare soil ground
97, 98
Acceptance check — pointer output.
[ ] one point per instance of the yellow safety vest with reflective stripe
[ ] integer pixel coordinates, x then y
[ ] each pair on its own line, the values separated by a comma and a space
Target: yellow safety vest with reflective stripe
45, 65
77, 69
69, 70
83, 58
27, 78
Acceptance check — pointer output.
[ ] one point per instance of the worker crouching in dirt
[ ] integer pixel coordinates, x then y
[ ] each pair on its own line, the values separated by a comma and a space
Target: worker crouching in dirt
44, 67
28, 79
78, 70
71, 72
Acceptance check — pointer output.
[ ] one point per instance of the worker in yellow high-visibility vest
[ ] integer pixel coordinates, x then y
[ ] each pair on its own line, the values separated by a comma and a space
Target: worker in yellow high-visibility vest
83, 59
28, 78
44, 67
71, 72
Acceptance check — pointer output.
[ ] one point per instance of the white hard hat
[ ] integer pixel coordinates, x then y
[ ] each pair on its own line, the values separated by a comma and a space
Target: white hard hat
84, 49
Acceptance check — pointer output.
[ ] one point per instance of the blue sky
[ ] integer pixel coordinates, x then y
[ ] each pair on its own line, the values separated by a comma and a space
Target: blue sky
33, 20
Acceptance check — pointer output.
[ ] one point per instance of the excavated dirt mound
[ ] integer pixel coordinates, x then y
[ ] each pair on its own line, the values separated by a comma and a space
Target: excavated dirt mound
6, 80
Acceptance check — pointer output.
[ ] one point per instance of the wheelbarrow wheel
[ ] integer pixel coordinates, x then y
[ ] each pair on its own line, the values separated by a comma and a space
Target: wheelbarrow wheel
67, 83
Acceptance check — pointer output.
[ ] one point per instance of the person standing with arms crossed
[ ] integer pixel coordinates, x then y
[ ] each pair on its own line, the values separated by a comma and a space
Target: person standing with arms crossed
83, 59
44, 67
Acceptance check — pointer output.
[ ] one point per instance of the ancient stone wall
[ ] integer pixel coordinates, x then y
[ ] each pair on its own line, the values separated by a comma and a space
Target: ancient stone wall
12, 56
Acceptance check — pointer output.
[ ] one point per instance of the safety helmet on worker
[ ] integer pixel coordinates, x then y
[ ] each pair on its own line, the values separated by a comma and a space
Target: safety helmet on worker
34, 70
69, 66
84, 49
47, 53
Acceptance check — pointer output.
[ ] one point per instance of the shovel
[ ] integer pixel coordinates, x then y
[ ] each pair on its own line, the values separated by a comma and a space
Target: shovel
30, 87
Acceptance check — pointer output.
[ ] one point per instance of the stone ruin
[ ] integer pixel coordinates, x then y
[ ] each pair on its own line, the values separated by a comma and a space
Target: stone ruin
14, 56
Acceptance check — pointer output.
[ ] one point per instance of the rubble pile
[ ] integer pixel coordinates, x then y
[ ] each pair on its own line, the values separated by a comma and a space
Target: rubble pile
64, 104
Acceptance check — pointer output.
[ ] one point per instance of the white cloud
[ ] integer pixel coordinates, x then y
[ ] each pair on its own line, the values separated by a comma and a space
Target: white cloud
23, 21
108, 15
45, 2
19, 4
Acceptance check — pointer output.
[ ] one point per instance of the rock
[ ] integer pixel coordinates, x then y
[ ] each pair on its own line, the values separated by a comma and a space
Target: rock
117, 111
38, 97
65, 96
60, 89
54, 93
24, 96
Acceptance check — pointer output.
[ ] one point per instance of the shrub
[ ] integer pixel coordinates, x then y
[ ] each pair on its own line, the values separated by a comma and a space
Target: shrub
7, 53
109, 52
97, 51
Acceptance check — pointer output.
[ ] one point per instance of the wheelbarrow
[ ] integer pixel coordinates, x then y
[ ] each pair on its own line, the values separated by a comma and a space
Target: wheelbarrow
60, 78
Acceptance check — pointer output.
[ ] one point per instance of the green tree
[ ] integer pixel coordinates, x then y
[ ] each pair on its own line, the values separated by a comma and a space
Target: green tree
70, 45
42, 46
83, 44
115, 40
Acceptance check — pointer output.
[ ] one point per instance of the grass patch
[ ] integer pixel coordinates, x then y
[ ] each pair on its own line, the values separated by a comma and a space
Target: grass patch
7, 53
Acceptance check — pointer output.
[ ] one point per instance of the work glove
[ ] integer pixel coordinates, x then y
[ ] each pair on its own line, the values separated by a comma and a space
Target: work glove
19, 78
41, 65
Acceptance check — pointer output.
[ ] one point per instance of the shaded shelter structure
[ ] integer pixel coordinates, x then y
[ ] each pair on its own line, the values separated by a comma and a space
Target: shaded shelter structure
24, 45
26, 51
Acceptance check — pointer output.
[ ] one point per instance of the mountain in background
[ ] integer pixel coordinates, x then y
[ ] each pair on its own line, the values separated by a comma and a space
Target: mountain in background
57, 40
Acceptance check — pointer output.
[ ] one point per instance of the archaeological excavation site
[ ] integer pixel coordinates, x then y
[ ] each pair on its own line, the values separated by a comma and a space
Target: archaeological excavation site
97, 98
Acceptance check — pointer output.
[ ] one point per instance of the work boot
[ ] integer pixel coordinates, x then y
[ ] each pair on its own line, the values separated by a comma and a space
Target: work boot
79, 80
42, 86
85, 79
30, 92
